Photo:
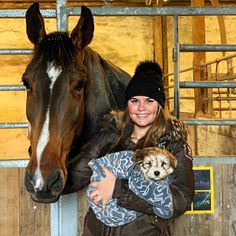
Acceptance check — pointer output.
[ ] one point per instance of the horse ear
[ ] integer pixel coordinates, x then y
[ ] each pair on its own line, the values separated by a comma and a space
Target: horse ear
34, 24
82, 34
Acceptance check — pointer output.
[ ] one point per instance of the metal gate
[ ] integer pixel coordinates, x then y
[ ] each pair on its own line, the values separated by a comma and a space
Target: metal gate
64, 212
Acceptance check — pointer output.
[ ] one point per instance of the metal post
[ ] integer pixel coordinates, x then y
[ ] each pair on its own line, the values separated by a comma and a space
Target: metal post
176, 58
62, 17
64, 216
64, 211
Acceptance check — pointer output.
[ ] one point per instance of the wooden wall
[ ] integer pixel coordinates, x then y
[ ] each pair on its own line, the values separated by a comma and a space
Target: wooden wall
20, 216
223, 220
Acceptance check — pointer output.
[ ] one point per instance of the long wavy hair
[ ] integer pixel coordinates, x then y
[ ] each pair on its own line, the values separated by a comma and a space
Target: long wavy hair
157, 129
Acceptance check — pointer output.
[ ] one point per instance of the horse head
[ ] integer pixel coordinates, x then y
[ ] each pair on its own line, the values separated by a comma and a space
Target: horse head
55, 80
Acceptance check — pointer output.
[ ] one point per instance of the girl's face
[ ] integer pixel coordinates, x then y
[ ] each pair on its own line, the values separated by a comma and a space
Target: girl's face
142, 110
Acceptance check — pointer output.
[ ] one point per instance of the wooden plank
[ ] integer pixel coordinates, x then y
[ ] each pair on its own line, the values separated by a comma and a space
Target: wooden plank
82, 209
158, 43
34, 218
13, 144
198, 37
161, 51
222, 221
221, 22
9, 202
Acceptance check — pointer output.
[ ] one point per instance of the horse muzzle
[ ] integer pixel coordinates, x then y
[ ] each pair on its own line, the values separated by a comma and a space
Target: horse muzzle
45, 191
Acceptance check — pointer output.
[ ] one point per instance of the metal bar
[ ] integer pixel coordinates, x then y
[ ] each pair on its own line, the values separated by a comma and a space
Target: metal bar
8, 125
12, 88
64, 216
219, 99
176, 60
62, 17
16, 51
207, 84
224, 109
218, 60
155, 11
196, 160
223, 77
181, 71
206, 47
13, 163
64, 211
187, 121
127, 11
209, 122
15, 13
209, 160
204, 64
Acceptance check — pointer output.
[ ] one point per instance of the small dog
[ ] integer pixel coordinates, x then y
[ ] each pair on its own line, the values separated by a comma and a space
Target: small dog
155, 163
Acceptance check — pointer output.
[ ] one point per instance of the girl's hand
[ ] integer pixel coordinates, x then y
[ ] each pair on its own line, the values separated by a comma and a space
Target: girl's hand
103, 189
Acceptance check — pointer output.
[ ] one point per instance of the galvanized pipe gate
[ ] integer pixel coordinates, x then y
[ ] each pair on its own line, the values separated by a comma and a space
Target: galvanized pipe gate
64, 212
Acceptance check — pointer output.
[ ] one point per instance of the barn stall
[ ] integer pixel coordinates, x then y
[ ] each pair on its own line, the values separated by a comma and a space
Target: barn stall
200, 85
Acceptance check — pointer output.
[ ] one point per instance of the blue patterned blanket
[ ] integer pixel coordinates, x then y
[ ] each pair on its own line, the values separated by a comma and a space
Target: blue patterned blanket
122, 166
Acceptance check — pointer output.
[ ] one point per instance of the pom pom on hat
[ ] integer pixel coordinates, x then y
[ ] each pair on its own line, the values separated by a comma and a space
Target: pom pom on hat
149, 67
147, 81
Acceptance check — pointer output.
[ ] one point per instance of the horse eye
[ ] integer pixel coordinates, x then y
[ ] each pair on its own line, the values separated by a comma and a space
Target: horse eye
80, 84
26, 84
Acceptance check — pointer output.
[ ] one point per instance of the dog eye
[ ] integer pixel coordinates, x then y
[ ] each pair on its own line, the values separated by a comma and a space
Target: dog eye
164, 165
147, 165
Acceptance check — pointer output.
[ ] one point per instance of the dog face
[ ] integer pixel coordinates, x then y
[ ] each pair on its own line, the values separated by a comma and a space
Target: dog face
155, 163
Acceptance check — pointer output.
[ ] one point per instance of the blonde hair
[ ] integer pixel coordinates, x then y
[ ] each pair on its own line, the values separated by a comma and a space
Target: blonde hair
152, 137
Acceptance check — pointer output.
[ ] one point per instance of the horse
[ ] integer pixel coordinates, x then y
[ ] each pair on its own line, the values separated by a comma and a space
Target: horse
70, 88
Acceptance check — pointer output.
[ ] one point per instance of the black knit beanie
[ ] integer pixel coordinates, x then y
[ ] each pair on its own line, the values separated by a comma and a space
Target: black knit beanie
147, 81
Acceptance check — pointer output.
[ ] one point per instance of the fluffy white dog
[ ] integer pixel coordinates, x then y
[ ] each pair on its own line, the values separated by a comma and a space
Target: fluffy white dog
155, 163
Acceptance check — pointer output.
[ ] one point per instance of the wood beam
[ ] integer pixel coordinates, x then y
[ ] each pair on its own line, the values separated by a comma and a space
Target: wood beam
198, 37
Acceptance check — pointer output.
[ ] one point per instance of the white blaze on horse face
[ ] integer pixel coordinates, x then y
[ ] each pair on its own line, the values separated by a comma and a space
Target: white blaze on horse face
53, 73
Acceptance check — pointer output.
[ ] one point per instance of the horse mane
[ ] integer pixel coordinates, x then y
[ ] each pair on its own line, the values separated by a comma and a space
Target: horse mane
56, 47
105, 91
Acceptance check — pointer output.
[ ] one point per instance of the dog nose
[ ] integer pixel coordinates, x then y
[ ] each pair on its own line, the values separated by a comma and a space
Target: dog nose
156, 173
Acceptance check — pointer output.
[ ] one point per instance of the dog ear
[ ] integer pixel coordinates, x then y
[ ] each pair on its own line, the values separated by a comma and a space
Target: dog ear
137, 166
173, 161
140, 154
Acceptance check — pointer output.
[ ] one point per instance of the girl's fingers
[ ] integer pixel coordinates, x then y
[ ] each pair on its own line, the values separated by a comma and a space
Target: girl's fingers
97, 199
93, 194
94, 184
106, 171
104, 203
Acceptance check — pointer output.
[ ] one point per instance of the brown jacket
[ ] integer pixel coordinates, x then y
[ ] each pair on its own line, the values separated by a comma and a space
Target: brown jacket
148, 224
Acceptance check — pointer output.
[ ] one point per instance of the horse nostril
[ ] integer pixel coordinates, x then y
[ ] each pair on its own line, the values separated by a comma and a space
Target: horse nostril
55, 182
28, 181
156, 173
